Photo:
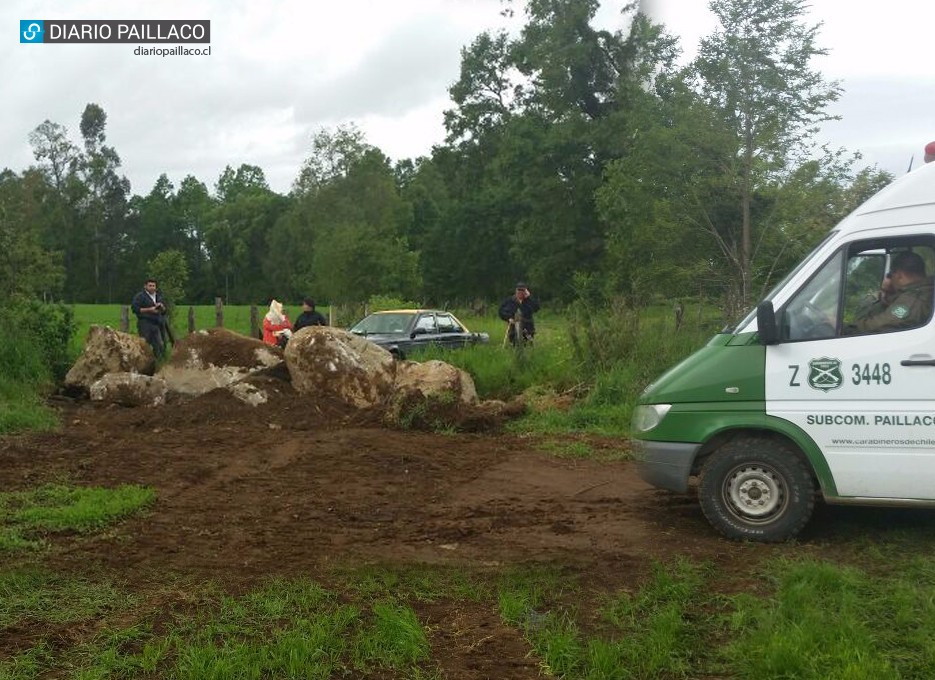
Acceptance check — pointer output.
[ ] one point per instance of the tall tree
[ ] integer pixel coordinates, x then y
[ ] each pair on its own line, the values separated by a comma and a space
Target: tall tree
27, 268
58, 161
538, 118
756, 71
486, 92
193, 206
344, 237
103, 207
333, 154
237, 237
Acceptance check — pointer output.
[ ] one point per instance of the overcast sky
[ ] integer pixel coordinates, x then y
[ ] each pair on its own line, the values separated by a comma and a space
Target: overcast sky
281, 70
881, 53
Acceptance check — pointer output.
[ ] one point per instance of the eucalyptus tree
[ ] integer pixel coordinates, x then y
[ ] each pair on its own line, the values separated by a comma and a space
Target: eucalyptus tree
103, 205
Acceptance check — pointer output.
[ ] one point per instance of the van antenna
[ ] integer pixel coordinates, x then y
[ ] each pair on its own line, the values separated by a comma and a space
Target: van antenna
911, 158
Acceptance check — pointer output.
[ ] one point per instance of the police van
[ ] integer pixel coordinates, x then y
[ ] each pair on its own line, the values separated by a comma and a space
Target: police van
803, 397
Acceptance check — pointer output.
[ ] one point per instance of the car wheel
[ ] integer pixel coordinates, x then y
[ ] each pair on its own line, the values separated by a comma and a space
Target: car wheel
757, 489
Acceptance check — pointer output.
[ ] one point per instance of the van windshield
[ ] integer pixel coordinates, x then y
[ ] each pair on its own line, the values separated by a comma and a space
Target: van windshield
779, 286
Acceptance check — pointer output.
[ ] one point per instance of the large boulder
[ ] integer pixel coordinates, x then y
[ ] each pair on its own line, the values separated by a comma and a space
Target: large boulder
435, 379
216, 357
332, 364
129, 389
109, 351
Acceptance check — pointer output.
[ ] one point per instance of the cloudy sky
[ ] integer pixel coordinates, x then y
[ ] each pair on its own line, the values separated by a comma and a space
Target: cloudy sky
282, 69
881, 54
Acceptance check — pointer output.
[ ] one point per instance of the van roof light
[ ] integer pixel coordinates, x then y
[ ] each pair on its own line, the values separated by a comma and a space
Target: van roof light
930, 152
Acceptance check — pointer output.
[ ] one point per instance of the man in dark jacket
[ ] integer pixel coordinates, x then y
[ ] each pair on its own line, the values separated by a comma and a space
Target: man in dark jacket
150, 310
309, 317
517, 310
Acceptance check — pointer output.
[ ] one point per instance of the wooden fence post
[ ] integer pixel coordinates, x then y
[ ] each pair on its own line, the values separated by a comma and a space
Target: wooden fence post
219, 312
124, 318
254, 322
191, 319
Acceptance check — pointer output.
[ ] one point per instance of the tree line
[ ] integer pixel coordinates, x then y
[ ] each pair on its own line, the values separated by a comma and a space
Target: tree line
589, 162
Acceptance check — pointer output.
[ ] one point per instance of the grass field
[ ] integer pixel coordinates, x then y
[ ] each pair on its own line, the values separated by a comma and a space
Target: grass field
236, 318
870, 617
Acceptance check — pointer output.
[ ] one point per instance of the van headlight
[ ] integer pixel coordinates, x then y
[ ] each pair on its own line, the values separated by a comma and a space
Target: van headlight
647, 417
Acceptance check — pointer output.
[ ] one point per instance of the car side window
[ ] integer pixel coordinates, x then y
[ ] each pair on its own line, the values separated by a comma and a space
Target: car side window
447, 324
426, 323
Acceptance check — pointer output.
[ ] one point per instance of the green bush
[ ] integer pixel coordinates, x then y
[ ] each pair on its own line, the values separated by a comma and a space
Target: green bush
35, 341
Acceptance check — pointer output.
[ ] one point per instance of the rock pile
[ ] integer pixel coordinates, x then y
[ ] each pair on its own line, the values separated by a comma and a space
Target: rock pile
324, 365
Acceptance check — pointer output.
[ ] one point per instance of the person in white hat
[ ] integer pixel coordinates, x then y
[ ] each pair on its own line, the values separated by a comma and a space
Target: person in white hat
277, 329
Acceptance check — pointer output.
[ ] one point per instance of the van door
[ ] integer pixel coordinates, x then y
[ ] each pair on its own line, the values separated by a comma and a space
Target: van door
858, 374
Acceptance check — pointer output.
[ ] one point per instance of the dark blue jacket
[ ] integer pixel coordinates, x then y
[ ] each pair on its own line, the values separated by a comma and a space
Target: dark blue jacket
142, 301
528, 307
311, 318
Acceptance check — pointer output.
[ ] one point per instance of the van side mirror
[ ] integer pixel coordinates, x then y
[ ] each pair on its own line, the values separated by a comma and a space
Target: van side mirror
767, 331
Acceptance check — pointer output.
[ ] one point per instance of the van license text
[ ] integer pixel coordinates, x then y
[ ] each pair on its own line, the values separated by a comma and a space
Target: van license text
878, 374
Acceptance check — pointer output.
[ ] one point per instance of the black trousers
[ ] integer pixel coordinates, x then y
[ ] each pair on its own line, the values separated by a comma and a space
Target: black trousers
152, 333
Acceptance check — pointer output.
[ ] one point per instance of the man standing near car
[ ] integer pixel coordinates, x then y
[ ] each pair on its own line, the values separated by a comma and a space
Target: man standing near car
150, 310
517, 311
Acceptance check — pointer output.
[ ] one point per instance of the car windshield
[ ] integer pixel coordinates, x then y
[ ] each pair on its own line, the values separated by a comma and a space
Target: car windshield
391, 322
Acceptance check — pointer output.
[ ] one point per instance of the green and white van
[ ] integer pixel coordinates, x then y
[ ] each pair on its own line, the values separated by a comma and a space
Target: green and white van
795, 401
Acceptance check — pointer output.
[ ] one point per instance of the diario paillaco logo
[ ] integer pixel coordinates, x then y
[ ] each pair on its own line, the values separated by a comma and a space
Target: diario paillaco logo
825, 374
31, 31
114, 31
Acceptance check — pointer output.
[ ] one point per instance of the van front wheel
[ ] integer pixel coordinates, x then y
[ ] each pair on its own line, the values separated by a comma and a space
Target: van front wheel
756, 489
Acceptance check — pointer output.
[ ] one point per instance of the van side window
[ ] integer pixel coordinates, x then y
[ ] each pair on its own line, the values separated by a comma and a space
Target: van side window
891, 290
882, 285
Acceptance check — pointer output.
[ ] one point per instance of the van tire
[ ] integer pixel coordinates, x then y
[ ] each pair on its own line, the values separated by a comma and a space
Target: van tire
757, 489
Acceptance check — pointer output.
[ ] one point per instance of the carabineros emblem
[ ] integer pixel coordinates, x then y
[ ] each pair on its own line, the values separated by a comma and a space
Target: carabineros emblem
825, 374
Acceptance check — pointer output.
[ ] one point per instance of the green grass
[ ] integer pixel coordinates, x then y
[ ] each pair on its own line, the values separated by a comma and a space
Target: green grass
649, 634
236, 318
40, 596
832, 621
284, 629
27, 516
22, 407
795, 618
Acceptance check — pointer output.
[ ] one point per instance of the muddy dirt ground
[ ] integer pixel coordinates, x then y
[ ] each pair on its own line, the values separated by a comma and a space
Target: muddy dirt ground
290, 487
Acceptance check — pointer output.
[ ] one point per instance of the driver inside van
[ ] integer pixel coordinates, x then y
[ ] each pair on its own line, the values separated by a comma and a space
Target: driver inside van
904, 301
